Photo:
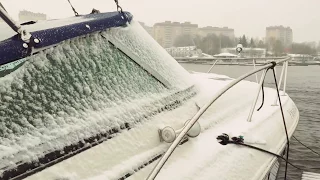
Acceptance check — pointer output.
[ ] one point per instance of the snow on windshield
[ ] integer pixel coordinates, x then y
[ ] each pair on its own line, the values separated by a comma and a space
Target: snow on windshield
139, 42
76, 90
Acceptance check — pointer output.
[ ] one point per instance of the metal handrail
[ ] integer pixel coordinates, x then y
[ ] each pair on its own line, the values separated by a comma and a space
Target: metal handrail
257, 96
285, 79
283, 71
213, 65
254, 67
215, 60
196, 117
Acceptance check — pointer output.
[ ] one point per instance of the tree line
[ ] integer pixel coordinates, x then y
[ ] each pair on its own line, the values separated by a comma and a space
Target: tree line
212, 44
278, 48
251, 43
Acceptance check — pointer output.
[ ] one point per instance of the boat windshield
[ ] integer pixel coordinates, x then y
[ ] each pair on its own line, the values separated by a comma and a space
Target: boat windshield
48, 99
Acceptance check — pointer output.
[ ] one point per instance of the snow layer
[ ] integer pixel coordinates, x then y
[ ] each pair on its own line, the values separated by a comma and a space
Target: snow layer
139, 42
74, 91
204, 158
199, 158
135, 39
86, 86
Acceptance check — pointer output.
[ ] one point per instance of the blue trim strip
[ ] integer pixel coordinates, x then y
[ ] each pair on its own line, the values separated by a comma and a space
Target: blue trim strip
11, 49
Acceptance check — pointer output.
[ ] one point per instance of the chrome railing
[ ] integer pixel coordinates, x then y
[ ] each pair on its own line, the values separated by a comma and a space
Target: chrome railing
283, 72
254, 67
213, 65
257, 95
203, 109
216, 60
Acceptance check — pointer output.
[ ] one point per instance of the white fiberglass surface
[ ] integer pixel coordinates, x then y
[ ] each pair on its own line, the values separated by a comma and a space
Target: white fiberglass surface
201, 157
74, 91
204, 158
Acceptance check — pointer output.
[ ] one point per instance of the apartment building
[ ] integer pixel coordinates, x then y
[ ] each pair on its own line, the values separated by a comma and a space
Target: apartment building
284, 34
166, 32
25, 16
225, 31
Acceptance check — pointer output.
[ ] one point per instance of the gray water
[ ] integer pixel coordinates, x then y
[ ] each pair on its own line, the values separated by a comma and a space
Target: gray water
303, 86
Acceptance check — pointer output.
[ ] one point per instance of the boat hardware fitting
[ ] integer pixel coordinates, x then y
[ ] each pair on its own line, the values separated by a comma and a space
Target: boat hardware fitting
168, 134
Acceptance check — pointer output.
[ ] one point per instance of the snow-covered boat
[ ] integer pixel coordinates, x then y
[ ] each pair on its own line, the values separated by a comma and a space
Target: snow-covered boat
95, 97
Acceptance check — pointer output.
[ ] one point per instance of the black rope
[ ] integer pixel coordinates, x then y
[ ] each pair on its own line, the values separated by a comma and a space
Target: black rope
283, 119
262, 89
73, 9
224, 140
306, 146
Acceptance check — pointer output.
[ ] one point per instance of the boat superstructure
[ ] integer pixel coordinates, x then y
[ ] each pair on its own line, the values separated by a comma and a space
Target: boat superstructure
95, 97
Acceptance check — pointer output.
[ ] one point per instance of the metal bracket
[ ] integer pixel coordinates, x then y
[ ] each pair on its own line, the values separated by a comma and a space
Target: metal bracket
24, 35
167, 134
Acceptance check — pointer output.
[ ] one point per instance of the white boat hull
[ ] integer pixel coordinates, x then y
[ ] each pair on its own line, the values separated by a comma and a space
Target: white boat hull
201, 157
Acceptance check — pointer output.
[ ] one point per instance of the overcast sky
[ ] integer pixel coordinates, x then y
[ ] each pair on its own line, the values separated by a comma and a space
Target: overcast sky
248, 17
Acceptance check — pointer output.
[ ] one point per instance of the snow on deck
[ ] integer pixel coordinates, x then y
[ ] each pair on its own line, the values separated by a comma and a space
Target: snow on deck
204, 158
85, 86
201, 157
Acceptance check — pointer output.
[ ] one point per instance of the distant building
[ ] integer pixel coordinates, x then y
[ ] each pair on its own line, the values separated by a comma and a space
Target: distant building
166, 32
247, 52
225, 31
25, 16
284, 34
147, 28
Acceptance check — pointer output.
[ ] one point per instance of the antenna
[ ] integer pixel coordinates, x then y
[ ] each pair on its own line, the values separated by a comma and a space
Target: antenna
2, 6
73, 9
